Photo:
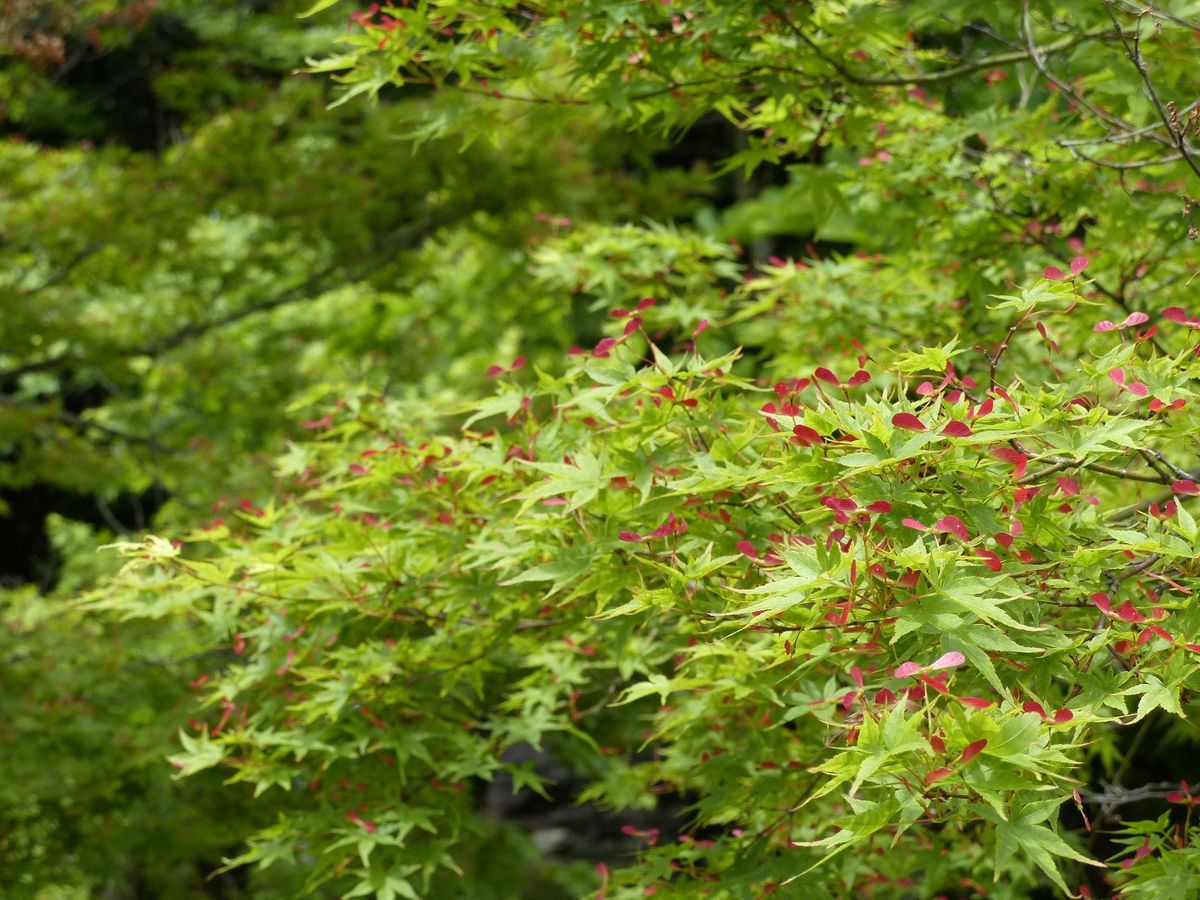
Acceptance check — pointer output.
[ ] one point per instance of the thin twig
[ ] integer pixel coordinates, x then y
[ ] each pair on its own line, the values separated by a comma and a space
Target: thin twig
1134, 52
323, 281
919, 78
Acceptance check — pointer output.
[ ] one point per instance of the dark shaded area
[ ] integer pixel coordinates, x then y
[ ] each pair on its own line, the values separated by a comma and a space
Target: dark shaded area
110, 93
26, 554
562, 827
1157, 755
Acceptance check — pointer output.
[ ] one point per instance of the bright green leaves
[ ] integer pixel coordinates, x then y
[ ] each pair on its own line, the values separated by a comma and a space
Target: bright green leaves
594, 573
982, 598
198, 753
1028, 832
811, 583
1155, 694
717, 551
317, 7
927, 359
387, 885
580, 481
881, 747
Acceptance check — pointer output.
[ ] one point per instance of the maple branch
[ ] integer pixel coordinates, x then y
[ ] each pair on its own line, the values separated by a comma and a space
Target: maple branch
83, 424
919, 78
63, 271
80, 424
1062, 462
1124, 136
382, 254
1129, 512
1125, 166
1175, 470
1037, 55
1170, 120
1121, 575
1113, 795
1155, 12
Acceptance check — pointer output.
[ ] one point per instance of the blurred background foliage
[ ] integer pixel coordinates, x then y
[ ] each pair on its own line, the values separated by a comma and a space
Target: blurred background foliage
191, 242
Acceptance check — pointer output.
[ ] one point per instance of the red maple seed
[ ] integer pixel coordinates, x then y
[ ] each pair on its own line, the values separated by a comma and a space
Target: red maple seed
972, 750
908, 422
1127, 612
955, 526
1019, 461
1156, 405
1159, 632
976, 702
951, 660
825, 375
604, 347
936, 684
1134, 318
1178, 316
805, 436
1102, 601
990, 559
1068, 486
862, 376
984, 409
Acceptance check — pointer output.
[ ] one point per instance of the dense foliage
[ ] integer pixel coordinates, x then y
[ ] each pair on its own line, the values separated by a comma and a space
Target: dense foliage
814, 493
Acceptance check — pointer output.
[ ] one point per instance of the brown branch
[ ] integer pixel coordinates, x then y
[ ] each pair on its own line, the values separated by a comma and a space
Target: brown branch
1143, 9
1134, 52
90, 250
314, 286
918, 78
1129, 512
1113, 796
1124, 136
79, 424
1061, 462
1037, 56
1124, 166
82, 424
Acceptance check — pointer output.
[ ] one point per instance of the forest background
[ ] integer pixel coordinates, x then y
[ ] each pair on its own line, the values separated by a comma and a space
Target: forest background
642, 447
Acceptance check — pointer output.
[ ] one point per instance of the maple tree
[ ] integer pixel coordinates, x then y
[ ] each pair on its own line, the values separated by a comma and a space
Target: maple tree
858, 523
